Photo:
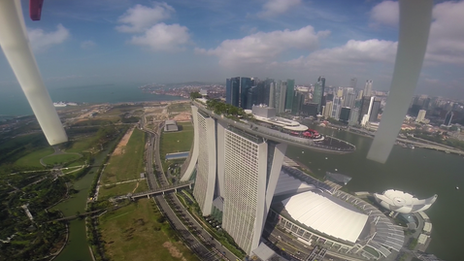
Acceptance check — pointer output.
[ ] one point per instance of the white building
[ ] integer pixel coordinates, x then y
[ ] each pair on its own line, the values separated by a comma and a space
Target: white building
403, 202
421, 116
368, 88
240, 169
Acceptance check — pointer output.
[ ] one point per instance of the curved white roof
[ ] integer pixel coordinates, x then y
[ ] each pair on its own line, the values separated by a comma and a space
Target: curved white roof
288, 184
403, 202
324, 215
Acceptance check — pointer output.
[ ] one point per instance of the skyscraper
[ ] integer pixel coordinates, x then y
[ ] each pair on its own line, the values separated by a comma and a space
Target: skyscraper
368, 88
297, 103
328, 110
373, 117
290, 94
448, 118
237, 171
228, 91
233, 91
365, 103
336, 107
245, 85
353, 82
272, 92
354, 116
282, 96
237, 91
349, 97
345, 114
319, 93
421, 116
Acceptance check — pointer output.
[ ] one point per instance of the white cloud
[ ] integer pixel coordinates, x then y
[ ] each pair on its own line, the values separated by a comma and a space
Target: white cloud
41, 40
263, 47
88, 44
275, 7
356, 52
385, 13
447, 34
140, 18
446, 31
163, 37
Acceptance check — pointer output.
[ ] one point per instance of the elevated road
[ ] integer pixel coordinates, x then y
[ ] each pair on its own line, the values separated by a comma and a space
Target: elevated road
162, 190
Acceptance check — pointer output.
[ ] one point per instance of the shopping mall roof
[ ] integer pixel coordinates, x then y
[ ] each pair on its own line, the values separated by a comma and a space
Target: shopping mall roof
290, 185
317, 211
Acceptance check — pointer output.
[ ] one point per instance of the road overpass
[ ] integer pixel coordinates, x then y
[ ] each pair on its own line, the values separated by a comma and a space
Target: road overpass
162, 190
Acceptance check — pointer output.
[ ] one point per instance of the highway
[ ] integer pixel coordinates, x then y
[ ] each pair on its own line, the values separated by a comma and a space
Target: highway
157, 173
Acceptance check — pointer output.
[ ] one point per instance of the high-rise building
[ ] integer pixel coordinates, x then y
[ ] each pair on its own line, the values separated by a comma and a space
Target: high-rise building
228, 91
328, 110
245, 85
354, 116
290, 94
349, 97
448, 118
373, 117
297, 103
421, 116
282, 97
368, 88
360, 95
309, 109
336, 107
237, 91
354, 82
233, 91
345, 114
365, 104
272, 93
319, 93
237, 170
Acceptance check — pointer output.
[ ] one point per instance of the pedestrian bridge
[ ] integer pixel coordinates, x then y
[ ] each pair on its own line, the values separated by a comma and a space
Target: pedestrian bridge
162, 190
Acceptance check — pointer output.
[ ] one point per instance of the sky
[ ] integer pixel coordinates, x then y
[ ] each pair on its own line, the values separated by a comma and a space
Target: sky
88, 42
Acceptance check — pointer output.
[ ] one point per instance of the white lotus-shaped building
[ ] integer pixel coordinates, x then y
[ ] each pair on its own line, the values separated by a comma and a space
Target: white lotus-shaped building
402, 202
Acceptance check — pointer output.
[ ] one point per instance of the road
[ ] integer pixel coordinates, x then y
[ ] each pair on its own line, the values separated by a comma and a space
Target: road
193, 243
162, 201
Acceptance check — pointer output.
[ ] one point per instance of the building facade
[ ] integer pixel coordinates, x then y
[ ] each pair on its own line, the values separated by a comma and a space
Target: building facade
318, 93
239, 169
290, 94
368, 88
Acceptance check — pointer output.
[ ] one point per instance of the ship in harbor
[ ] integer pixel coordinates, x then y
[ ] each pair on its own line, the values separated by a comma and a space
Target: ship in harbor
64, 104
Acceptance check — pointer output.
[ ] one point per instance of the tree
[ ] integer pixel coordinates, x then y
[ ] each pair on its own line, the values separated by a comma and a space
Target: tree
195, 95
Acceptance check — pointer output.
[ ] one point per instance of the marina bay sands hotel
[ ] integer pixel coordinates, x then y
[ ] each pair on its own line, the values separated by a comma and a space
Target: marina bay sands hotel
236, 164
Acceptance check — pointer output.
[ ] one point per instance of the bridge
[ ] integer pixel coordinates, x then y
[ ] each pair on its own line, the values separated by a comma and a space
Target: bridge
162, 190
80, 215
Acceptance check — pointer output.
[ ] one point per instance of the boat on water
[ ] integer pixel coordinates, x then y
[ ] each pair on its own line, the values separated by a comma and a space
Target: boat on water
59, 104
457, 187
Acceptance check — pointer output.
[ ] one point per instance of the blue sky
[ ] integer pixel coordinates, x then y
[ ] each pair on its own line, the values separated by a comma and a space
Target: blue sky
84, 42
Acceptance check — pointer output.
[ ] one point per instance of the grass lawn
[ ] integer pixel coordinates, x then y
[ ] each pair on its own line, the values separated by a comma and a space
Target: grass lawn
82, 144
133, 233
179, 107
60, 158
121, 189
129, 164
33, 159
177, 141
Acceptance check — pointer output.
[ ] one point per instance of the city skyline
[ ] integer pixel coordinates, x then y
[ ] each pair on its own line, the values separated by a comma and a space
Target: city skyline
82, 42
